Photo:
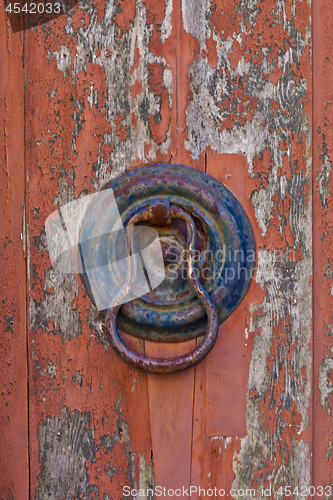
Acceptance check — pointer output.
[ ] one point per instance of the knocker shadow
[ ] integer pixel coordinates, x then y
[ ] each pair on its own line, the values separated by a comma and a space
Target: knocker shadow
25, 14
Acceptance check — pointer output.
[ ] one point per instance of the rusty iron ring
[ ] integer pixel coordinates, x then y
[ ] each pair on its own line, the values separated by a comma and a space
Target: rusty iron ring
225, 251
178, 363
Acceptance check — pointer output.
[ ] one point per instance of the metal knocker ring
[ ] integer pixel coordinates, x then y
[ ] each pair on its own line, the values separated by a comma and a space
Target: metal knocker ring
178, 363
181, 274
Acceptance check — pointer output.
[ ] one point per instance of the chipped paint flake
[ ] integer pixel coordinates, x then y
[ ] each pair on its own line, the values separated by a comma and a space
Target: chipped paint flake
323, 179
146, 480
195, 19
325, 386
122, 72
205, 114
65, 445
63, 58
166, 28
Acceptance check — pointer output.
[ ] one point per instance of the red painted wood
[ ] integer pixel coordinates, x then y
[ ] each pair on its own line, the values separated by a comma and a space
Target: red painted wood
253, 465
188, 426
200, 457
221, 381
75, 379
322, 242
171, 397
187, 51
226, 379
171, 414
14, 482
227, 365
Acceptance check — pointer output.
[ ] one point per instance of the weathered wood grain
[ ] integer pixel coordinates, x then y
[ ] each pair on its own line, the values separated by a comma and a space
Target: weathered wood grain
250, 94
228, 364
14, 468
171, 416
223, 86
322, 243
90, 106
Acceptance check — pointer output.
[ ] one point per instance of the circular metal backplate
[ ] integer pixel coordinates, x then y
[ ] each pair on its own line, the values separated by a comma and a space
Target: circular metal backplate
225, 255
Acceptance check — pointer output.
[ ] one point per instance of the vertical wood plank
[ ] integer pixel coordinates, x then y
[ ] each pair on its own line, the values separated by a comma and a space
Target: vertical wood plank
171, 397
226, 381
228, 363
243, 88
14, 482
200, 468
97, 103
171, 412
188, 49
322, 241
250, 96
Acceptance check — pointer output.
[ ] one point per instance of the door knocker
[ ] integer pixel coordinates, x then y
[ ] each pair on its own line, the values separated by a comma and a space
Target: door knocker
166, 253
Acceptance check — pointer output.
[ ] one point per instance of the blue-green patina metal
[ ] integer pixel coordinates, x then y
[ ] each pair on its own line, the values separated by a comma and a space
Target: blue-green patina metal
225, 256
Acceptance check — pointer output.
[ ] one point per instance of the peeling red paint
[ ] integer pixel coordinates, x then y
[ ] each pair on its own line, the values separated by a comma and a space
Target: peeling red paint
323, 220
14, 459
166, 87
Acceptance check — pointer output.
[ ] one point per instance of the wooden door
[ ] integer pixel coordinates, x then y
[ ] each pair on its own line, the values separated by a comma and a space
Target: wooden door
240, 89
